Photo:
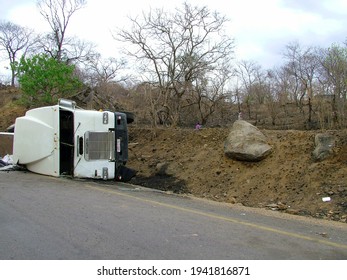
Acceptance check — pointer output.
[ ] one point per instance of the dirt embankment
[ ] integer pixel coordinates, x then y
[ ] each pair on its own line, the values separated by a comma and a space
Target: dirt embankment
8, 110
190, 161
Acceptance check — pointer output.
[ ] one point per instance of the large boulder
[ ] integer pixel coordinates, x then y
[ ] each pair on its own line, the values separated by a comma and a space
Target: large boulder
325, 144
245, 142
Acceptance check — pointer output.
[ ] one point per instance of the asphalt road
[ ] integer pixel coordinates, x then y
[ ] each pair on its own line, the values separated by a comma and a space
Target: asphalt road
58, 218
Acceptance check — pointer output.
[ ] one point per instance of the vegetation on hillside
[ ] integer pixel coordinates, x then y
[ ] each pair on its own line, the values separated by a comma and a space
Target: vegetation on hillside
44, 79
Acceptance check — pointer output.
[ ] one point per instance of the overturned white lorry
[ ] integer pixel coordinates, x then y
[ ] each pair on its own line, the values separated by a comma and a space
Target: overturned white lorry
64, 140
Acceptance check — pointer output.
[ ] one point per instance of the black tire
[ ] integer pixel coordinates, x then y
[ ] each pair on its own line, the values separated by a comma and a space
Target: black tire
130, 117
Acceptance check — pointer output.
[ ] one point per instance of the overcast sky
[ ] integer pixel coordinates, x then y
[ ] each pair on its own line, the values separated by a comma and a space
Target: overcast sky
261, 28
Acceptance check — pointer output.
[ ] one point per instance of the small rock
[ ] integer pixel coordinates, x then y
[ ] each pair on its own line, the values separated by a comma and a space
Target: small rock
272, 205
292, 211
341, 189
325, 144
164, 168
323, 234
281, 206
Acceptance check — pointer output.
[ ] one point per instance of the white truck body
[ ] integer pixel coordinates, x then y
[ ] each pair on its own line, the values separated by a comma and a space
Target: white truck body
65, 140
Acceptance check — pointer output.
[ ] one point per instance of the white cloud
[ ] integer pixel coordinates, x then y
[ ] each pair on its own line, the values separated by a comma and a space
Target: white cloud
263, 28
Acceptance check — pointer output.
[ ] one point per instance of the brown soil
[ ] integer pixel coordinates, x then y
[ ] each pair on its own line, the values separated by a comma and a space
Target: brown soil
191, 161
8, 110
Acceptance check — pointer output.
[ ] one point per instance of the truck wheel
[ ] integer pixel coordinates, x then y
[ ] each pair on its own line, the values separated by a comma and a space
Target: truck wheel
130, 117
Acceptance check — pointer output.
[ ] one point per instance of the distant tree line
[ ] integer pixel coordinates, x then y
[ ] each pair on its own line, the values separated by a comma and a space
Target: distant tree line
312, 80
183, 71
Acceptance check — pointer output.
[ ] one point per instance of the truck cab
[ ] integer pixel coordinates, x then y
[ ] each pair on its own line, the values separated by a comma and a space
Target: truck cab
64, 140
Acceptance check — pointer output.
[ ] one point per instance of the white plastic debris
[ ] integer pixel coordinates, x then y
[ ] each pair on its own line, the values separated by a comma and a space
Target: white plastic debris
7, 168
7, 159
7, 164
326, 199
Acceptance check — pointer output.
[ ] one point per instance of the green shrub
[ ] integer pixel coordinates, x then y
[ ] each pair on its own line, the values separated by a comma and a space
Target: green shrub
44, 80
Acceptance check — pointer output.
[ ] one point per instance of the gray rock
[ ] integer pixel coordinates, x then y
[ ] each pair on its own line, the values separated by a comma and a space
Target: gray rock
165, 169
161, 168
245, 142
325, 144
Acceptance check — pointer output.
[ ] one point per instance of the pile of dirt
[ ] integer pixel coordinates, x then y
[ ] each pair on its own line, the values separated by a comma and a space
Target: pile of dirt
191, 161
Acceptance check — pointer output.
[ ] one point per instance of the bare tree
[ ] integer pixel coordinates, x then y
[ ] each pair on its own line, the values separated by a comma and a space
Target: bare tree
16, 41
332, 79
248, 73
108, 70
58, 14
302, 64
79, 51
209, 91
281, 93
75, 51
173, 49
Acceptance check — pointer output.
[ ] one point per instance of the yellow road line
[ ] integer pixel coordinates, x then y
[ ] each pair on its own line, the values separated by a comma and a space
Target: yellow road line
231, 220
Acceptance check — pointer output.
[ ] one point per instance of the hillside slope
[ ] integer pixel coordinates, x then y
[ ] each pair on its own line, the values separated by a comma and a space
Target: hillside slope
8, 110
191, 161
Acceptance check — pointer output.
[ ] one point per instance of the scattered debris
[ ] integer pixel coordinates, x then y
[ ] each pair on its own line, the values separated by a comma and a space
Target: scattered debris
277, 206
7, 164
6, 161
